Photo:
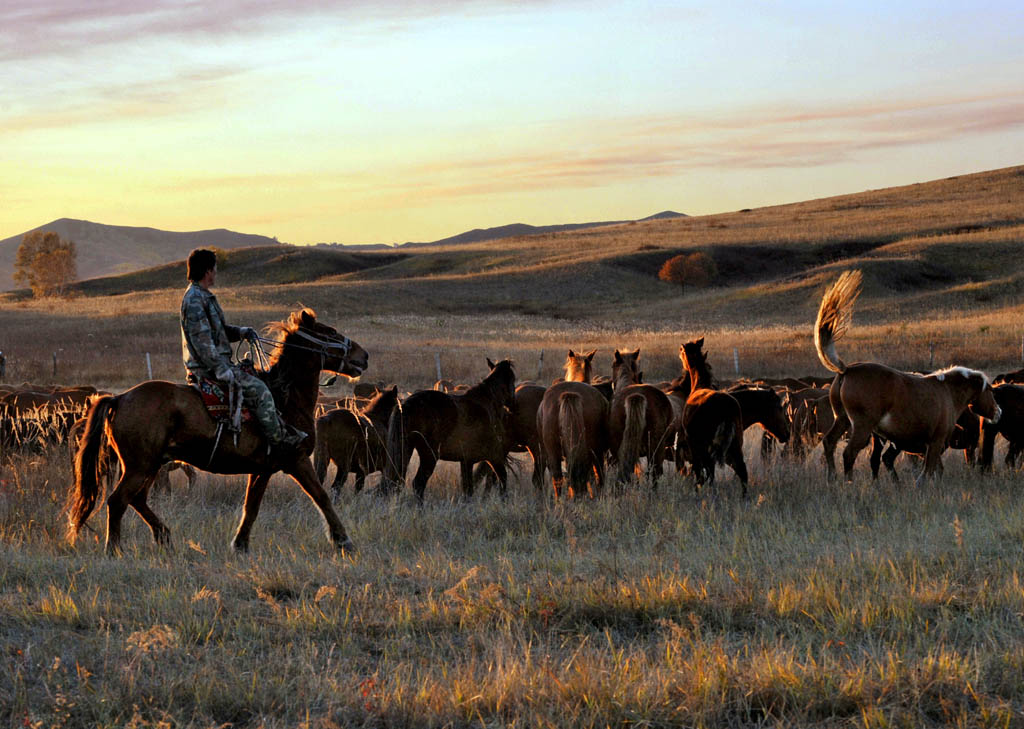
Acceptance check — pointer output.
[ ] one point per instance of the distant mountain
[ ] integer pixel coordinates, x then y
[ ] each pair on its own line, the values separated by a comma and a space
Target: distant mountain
517, 229
104, 250
505, 231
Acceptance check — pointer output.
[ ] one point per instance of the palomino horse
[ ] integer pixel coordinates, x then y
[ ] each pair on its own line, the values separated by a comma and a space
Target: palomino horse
579, 367
917, 413
157, 422
467, 427
354, 440
639, 419
712, 421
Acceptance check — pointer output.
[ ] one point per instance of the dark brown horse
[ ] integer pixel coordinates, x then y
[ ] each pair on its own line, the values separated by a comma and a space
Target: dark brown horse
639, 419
157, 422
763, 406
572, 423
521, 433
1010, 426
354, 440
966, 437
468, 427
712, 421
917, 413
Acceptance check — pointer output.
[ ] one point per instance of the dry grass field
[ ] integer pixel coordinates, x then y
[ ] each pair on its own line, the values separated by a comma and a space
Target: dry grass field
809, 604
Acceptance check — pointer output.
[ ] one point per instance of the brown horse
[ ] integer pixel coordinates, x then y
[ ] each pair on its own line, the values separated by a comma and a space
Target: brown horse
157, 422
579, 367
1010, 426
918, 413
639, 419
572, 423
966, 437
520, 434
468, 427
354, 440
712, 421
763, 406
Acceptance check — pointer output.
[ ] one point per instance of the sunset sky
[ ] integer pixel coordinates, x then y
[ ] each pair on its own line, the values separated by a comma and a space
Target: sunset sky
383, 122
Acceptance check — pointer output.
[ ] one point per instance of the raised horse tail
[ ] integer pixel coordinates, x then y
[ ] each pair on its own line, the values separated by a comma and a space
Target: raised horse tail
632, 435
86, 488
720, 443
834, 316
573, 438
394, 469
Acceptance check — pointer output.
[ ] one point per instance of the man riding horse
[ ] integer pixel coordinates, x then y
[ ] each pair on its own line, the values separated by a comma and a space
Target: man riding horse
206, 349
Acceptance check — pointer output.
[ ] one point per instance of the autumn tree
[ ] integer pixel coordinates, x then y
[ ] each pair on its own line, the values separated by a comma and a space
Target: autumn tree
45, 263
695, 269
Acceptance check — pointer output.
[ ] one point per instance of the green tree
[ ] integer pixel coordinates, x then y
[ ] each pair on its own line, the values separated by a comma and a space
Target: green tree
45, 263
695, 269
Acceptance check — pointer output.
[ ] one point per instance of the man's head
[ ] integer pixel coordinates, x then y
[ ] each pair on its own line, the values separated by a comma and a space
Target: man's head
200, 262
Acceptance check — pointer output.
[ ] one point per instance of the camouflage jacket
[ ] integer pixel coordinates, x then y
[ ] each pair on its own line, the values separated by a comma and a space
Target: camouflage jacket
205, 336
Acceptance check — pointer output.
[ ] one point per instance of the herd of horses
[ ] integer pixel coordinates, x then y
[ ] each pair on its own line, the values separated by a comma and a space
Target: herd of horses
579, 429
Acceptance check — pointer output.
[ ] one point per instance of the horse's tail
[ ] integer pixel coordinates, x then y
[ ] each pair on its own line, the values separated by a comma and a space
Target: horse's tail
573, 439
86, 488
632, 434
394, 469
720, 443
321, 454
834, 316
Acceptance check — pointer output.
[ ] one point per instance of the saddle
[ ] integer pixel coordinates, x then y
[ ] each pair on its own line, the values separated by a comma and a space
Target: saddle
216, 400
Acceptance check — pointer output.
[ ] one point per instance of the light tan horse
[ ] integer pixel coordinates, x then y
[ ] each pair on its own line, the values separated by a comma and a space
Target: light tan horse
917, 413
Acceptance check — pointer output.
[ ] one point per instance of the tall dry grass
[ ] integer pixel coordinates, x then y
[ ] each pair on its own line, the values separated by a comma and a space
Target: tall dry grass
808, 604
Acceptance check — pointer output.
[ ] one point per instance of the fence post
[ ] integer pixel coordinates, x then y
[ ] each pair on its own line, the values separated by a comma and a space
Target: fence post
437, 361
54, 364
736, 360
931, 355
1022, 348
149, 367
540, 365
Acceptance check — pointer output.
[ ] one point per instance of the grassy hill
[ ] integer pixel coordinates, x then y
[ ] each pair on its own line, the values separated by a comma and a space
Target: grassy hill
109, 249
944, 279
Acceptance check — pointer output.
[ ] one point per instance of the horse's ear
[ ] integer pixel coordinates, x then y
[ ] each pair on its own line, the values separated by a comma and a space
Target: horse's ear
590, 355
618, 357
571, 354
636, 354
308, 317
490, 364
700, 342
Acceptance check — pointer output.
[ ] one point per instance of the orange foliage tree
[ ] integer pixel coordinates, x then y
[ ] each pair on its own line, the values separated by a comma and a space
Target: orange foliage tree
695, 269
46, 263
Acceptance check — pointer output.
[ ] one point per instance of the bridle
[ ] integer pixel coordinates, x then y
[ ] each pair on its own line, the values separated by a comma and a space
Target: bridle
323, 347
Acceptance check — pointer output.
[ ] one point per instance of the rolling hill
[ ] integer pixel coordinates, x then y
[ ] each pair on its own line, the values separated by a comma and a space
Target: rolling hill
109, 249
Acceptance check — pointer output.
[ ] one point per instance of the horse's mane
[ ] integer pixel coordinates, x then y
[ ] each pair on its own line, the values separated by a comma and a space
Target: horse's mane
964, 372
487, 383
284, 329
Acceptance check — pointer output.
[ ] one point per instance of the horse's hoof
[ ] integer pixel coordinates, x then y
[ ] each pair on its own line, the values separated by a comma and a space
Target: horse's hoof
240, 546
346, 547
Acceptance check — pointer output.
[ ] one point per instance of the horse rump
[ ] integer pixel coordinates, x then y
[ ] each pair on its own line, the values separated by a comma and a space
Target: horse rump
632, 435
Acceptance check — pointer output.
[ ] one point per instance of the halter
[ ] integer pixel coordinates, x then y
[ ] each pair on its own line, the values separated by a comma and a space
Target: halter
323, 347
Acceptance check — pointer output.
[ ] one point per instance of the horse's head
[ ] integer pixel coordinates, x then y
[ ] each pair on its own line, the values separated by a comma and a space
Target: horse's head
338, 353
985, 405
502, 380
578, 367
626, 368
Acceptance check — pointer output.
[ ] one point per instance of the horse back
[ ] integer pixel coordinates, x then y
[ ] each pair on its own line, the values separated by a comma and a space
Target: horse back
705, 409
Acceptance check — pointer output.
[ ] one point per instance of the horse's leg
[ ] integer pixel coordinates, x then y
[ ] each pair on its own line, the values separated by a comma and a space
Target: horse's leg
734, 457
190, 474
466, 469
860, 436
876, 456
501, 473
889, 459
537, 478
254, 489
128, 487
767, 445
428, 462
1013, 451
933, 460
988, 445
831, 439
161, 534
302, 471
360, 473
